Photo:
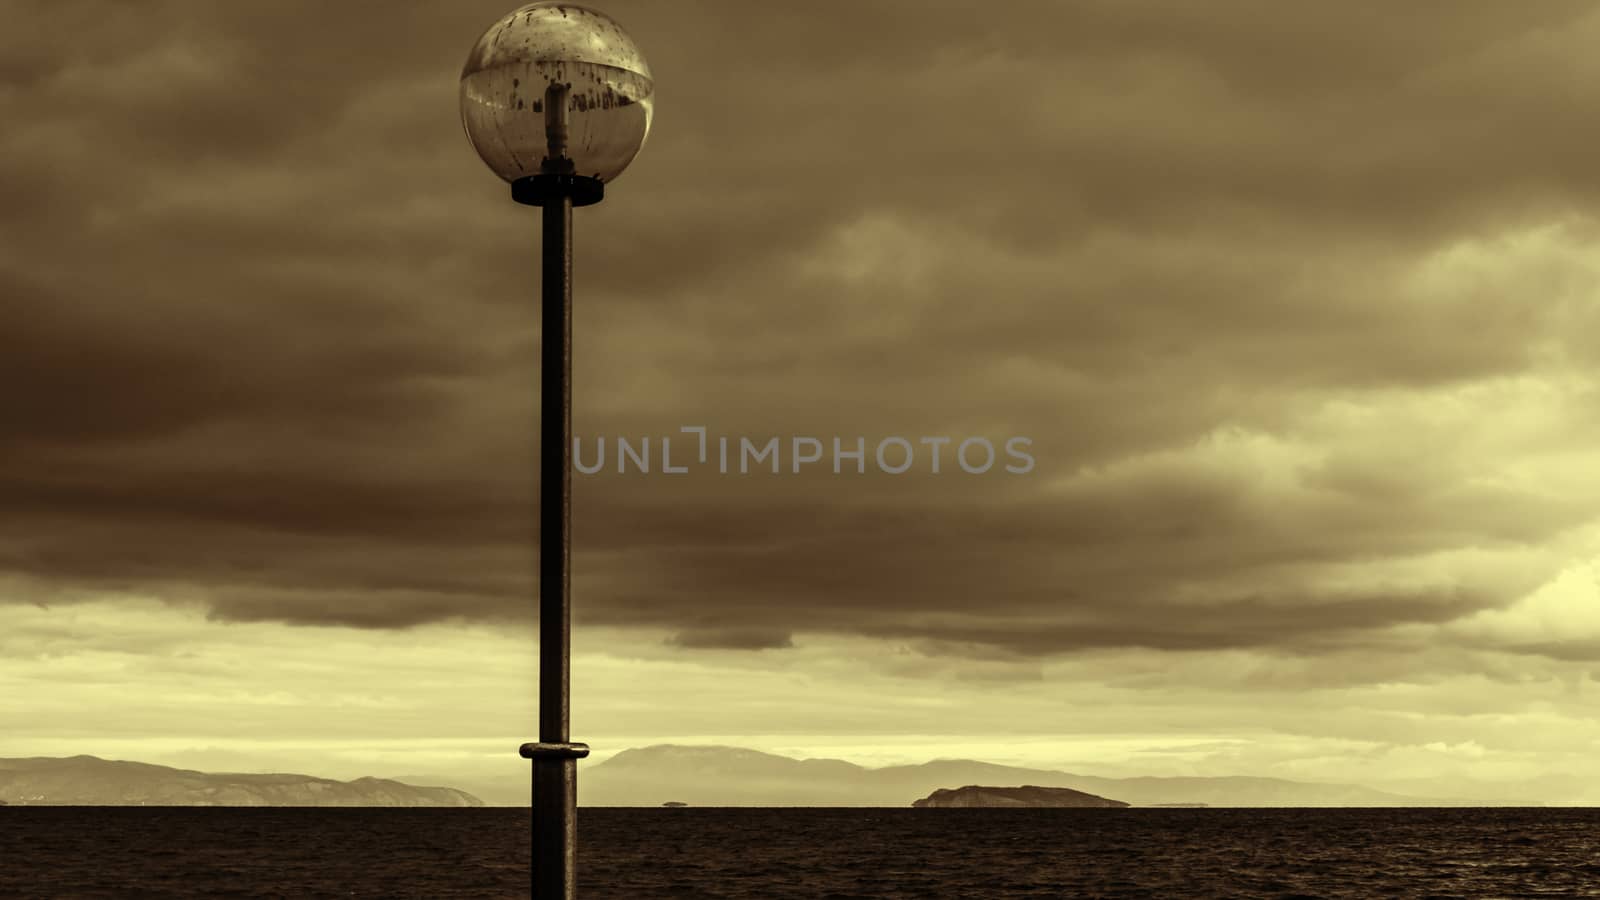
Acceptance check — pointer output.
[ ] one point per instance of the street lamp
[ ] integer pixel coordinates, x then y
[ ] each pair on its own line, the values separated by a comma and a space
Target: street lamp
557, 100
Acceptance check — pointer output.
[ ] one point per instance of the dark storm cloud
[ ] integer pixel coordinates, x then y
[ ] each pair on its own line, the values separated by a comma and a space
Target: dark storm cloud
268, 335
731, 639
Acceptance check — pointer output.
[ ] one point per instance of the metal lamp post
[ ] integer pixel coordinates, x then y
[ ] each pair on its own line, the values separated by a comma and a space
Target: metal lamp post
557, 101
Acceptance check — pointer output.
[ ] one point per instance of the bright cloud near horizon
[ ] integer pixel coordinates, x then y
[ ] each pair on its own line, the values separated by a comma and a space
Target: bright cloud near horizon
1297, 306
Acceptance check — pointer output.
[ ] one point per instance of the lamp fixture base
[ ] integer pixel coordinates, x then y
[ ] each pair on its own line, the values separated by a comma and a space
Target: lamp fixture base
537, 190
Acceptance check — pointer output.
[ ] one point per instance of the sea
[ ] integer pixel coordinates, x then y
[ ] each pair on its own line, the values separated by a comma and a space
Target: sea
765, 854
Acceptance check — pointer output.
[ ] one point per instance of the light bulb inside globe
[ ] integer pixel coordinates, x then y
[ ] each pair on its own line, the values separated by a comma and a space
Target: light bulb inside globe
556, 88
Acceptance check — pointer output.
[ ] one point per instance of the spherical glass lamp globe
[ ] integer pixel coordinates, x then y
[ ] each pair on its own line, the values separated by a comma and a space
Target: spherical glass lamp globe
556, 88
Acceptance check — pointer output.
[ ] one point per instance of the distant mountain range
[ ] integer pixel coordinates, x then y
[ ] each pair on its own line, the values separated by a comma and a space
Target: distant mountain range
733, 776
653, 776
91, 781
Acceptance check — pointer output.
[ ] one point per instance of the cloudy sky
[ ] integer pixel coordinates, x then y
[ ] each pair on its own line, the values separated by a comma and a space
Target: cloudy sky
1298, 306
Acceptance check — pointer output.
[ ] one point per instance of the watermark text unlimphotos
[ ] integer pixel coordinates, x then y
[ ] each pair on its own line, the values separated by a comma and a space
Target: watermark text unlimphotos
696, 449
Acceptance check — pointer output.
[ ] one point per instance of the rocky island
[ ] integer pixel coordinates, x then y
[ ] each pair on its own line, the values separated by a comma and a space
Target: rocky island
1025, 796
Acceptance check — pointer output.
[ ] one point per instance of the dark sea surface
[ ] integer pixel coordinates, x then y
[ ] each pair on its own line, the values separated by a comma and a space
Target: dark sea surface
811, 853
